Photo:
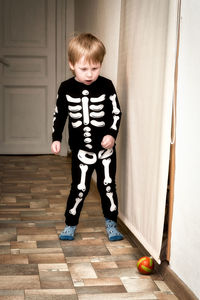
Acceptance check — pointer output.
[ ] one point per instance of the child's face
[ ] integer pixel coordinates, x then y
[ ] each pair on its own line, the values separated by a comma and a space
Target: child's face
86, 72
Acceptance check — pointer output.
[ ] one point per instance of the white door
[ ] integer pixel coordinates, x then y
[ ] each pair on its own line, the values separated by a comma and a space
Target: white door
27, 75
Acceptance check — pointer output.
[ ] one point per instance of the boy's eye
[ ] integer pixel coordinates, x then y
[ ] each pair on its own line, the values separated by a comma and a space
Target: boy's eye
85, 69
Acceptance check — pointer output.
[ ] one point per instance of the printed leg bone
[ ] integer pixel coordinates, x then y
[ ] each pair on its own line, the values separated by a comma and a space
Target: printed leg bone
73, 210
113, 207
106, 163
81, 186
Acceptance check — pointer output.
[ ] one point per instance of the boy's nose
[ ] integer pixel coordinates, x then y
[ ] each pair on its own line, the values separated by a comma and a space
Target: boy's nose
89, 73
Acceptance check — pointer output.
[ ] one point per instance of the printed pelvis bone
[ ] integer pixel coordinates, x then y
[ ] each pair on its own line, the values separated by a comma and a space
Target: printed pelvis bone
107, 178
86, 157
73, 210
114, 125
105, 153
116, 110
81, 186
113, 207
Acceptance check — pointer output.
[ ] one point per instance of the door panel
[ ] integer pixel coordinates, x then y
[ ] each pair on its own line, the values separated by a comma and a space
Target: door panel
27, 75
25, 23
26, 67
25, 106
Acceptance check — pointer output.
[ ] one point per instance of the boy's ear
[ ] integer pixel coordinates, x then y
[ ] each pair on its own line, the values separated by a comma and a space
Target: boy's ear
71, 66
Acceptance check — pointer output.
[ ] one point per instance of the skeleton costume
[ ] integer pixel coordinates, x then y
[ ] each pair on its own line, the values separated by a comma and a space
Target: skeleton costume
93, 112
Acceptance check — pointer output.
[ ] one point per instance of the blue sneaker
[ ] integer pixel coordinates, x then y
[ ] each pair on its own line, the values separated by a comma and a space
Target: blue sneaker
68, 233
113, 233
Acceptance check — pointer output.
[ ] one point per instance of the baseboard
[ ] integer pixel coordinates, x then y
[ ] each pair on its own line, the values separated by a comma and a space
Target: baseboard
177, 286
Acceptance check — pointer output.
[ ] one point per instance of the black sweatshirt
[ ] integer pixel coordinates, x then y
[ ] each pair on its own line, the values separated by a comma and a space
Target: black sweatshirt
93, 112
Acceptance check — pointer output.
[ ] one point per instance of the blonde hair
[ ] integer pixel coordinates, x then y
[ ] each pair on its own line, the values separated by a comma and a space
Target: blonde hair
87, 45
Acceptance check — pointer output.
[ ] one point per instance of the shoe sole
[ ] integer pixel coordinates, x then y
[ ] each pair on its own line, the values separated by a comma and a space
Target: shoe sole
115, 238
66, 238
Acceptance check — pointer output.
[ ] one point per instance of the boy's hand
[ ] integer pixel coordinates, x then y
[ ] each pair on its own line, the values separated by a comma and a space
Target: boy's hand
55, 147
108, 141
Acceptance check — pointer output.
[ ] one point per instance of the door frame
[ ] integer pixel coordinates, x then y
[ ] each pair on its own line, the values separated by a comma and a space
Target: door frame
62, 28
172, 165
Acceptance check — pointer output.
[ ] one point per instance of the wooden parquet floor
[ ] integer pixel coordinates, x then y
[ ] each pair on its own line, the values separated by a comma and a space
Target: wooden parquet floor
35, 264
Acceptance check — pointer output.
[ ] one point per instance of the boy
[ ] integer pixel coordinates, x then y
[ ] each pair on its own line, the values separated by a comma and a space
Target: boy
90, 102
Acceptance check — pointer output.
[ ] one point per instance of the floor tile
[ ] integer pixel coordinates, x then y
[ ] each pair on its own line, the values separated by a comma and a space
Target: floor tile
102, 281
23, 245
36, 231
61, 284
48, 244
123, 272
165, 296
46, 258
41, 251
82, 270
100, 289
53, 267
104, 265
118, 296
9, 270
51, 294
11, 295
13, 259
127, 264
122, 250
162, 286
139, 284
85, 251
21, 282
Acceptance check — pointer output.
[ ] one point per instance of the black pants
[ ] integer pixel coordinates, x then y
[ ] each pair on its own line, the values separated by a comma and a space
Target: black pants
83, 165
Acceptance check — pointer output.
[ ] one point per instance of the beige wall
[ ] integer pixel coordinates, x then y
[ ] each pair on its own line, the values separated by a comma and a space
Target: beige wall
185, 247
101, 18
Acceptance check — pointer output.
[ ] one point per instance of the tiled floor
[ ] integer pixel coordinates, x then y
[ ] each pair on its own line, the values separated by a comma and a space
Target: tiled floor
35, 264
